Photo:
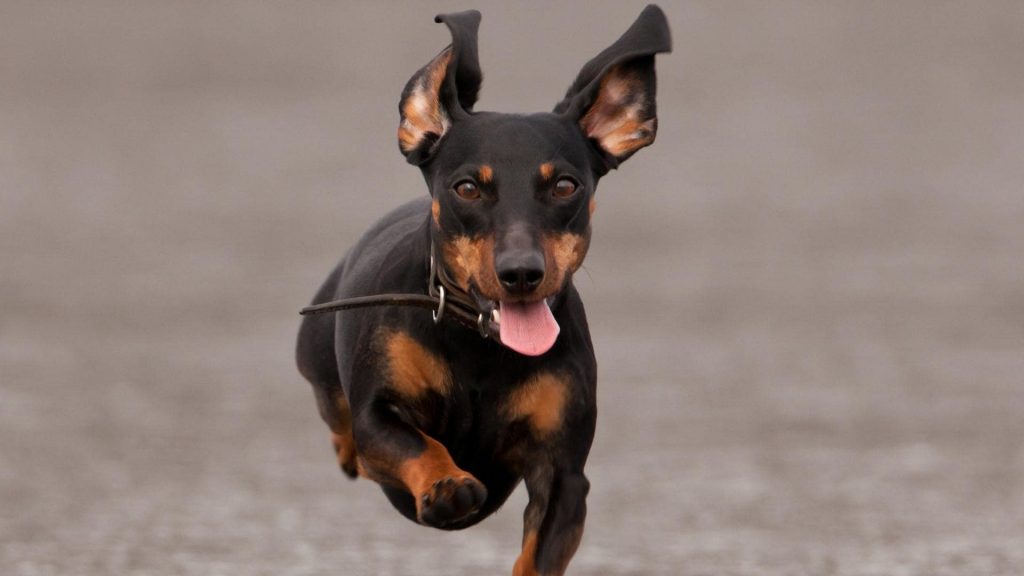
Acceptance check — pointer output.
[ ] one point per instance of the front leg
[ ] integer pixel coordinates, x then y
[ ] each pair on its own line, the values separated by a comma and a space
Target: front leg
553, 521
399, 390
556, 412
395, 453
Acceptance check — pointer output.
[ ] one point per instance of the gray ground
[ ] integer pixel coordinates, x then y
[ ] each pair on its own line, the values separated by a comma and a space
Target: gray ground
807, 298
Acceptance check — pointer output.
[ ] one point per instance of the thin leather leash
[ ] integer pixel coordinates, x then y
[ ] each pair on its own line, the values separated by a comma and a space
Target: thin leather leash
443, 296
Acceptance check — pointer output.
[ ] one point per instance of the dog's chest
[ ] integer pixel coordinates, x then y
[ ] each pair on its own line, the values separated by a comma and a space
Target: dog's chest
502, 416
469, 388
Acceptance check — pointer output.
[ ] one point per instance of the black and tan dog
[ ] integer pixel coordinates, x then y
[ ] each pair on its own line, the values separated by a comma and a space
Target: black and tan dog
448, 416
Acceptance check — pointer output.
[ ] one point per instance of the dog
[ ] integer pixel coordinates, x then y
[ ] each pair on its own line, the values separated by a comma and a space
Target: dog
449, 411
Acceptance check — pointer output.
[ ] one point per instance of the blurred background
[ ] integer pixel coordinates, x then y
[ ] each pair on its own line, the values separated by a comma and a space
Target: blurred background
807, 297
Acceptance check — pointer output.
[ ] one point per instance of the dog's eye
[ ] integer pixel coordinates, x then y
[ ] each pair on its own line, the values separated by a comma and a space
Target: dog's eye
564, 188
467, 190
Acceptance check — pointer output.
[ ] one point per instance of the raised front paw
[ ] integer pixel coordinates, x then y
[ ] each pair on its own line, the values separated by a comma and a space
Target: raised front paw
450, 500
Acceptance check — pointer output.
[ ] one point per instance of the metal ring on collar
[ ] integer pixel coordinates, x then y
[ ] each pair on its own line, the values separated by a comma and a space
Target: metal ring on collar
432, 279
481, 325
439, 313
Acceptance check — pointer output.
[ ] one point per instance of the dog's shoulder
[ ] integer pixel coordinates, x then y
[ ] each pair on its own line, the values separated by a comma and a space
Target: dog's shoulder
392, 255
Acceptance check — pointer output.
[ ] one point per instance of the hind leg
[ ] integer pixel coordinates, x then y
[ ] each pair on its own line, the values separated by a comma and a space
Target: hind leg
336, 413
314, 355
322, 373
342, 440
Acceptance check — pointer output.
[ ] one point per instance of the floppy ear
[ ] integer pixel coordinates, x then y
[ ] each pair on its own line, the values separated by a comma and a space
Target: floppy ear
442, 91
613, 98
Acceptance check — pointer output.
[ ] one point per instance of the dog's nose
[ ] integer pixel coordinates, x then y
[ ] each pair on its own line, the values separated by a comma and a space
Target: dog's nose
520, 272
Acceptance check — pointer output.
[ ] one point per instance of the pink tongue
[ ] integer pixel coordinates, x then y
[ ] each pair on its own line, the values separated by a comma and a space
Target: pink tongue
529, 329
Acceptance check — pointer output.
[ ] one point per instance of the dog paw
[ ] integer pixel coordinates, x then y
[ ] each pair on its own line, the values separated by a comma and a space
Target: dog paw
450, 500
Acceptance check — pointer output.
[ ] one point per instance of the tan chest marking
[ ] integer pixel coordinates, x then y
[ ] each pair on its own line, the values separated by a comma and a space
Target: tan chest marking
413, 369
540, 401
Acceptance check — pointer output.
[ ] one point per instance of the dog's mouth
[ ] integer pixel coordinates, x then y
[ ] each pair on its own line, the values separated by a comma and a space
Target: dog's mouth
528, 327
525, 320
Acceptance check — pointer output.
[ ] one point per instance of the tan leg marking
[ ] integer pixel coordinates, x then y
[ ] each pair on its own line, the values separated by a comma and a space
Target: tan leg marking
419, 473
526, 564
345, 449
433, 475
343, 441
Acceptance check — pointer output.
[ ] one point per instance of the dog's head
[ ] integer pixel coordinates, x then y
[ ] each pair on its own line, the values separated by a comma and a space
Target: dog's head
513, 194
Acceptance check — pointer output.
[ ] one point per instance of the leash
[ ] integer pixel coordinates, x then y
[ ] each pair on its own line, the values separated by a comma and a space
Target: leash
443, 296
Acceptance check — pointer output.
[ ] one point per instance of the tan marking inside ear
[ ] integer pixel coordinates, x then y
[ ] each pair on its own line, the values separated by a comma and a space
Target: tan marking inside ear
630, 136
485, 174
563, 255
547, 170
592, 206
413, 370
435, 212
526, 564
472, 260
422, 111
616, 118
541, 401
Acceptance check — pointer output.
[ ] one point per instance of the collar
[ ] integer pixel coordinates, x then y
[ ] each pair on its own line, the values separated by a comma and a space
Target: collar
443, 296
462, 304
